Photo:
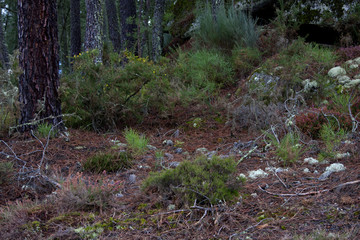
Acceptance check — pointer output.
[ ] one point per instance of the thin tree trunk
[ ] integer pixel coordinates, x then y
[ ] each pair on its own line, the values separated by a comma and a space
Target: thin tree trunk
64, 48
127, 21
113, 22
157, 29
94, 22
39, 59
75, 27
4, 54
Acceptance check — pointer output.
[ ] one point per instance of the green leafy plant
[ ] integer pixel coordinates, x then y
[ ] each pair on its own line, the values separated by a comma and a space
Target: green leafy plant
45, 130
81, 192
104, 94
206, 181
199, 75
245, 59
136, 143
230, 27
331, 139
109, 162
288, 149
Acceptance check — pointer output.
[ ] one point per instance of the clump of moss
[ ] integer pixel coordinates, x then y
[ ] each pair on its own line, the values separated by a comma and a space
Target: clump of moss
206, 181
109, 162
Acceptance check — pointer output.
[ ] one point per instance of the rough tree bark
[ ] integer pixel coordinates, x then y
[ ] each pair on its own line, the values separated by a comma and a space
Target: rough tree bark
127, 22
4, 54
39, 59
75, 27
94, 22
114, 32
157, 29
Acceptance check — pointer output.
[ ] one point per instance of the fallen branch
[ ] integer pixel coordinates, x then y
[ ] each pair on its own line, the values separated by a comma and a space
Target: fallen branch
308, 193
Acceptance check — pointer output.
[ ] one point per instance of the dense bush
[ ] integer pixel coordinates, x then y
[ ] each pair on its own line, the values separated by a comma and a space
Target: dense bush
230, 27
208, 181
201, 74
109, 162
245, 60
311, 121
301, 61
101, 95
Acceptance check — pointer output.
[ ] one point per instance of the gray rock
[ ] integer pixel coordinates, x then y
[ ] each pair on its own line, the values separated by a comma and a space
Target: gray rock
151, 147
343, 79
169, 156
336, 71
119, 195
211, 154
352, 83
325, 175
174, 164
354, 66
357, 60
132, 178
171, 207
201, 151
178, 150
168, 143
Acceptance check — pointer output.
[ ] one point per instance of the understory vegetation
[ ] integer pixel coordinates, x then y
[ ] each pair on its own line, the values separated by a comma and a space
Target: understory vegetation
232, 79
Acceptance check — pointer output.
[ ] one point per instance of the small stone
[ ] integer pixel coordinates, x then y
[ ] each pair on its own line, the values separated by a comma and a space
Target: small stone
336, 71
171, 207
311, 161
336, 167
343, 79
178, 150
325, 175
257, 174
169, 156
357, 60
353, 66
119, 195
174, 164
79, 147
342, 155
201, 151
211, 154
306, 170
254, 195
132, 178
316, 172
352, 83
168, 143
151, 147
176, 133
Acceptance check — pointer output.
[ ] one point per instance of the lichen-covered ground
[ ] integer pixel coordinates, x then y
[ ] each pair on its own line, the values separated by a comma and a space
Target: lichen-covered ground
288, 204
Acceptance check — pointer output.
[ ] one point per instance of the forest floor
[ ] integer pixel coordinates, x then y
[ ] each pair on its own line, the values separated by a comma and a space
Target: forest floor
290, 204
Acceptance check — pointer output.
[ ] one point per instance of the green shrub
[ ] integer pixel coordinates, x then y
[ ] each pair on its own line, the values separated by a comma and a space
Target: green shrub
109, 162
136, 143
84, 193
301, 61
102, 95
45, 130
288, 149
208, 181
231, 27
201, 74
245, 60
331, 138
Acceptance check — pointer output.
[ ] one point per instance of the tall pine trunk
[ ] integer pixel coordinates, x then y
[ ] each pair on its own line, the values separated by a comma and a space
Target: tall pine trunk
75, 27
39, 59
4, 54
157, 34
113, 22
127, 21
94, 22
